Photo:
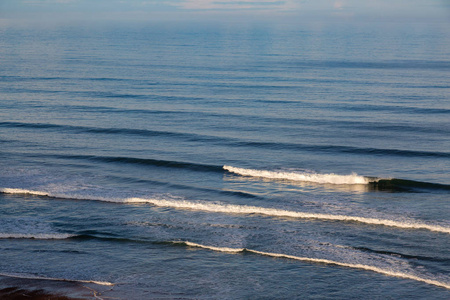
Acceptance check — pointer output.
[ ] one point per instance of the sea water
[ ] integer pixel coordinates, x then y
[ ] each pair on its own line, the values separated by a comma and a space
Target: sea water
226, 160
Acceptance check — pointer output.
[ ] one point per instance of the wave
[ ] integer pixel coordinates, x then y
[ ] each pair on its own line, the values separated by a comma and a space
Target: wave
301, 176
234, 142
387, 64
29, 276
140, 161
122, 131
243, 209
322, 261
344, 149
159, 163
375, 183
397, 254
36, 236
403, 184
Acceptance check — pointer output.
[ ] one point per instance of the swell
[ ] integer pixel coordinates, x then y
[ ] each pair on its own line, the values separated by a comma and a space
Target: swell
156, 162
243, 210
320, 261
346, 149
408, 185
101, 94
140, 161
234, 142
120, 131
388, 64
401, 255
238, 117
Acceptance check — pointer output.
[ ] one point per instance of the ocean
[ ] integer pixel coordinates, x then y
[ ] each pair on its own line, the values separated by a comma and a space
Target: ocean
174, 160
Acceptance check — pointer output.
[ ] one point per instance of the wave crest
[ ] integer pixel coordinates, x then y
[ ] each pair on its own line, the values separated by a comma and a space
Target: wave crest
323, 261
36, 236
274, 212
245, 209
28, 276
301, 176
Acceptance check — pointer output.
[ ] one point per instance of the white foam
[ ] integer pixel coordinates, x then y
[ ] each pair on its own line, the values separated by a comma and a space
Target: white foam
23, 191
40, 236
244, 209
301, 176
220, 249
28, 276
325, 261
62, 195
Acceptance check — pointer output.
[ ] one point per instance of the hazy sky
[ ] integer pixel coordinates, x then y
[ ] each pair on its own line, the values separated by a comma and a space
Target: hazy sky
431, 10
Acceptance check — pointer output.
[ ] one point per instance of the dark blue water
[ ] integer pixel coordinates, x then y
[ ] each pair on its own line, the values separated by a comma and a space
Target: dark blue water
226, 161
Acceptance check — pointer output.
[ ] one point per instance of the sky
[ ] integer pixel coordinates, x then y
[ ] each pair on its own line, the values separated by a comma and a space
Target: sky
388, 10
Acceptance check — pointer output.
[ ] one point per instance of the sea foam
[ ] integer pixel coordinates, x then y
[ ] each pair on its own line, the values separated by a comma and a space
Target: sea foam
245, 209
36, 236
322, 261
301, 176
28, 276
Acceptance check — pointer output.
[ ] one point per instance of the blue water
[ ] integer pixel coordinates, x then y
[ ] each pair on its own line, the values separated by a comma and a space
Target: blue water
226, 161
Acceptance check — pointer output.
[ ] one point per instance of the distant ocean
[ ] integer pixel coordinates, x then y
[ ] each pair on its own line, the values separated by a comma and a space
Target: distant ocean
226, 161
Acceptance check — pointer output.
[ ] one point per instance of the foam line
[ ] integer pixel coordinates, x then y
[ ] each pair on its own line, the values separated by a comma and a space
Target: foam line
59, 195
38, 236
23, 191
324, 261
23, 276
244, 209
301, 176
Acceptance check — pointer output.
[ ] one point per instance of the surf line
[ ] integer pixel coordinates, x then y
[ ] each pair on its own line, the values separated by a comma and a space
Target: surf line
302, 176
56, 279
242, 209
37, 236
320, 260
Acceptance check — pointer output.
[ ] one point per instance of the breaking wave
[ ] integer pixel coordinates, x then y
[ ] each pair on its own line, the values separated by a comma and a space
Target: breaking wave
322, 261
36, 236
244, 209
301, 176
374, 183
29, 276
